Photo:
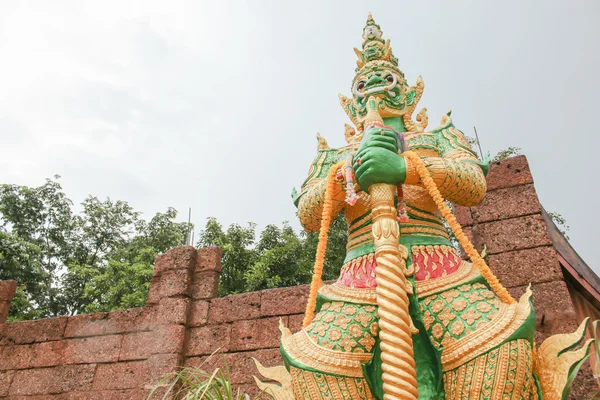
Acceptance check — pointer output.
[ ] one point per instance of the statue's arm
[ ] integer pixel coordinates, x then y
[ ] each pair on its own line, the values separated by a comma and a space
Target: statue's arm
311, 199
458, 173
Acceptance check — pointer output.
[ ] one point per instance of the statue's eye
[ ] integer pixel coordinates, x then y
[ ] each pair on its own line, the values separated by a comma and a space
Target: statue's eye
361, 85
389, 78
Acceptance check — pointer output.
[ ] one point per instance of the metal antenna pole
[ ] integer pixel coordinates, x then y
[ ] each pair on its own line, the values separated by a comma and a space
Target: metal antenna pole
189, 225
478, 144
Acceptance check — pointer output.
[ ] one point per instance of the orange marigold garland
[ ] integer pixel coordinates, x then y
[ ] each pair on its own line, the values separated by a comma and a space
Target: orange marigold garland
466, 244
326, 216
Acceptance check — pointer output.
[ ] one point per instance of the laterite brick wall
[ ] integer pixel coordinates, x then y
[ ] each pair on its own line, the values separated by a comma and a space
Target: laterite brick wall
118, 355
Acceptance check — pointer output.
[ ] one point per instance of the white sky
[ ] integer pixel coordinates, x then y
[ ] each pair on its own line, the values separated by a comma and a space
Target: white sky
215, 105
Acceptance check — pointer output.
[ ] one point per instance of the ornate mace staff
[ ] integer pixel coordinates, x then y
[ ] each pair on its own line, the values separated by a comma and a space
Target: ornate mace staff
395, 324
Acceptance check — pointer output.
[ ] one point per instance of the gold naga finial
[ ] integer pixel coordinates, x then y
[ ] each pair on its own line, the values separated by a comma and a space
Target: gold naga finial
350, 135
322, 143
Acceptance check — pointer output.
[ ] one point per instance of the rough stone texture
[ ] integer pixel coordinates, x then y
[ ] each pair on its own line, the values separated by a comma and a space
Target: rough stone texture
121, 354
64, 378
7, 293
234, 308
6, 378
199, 313
164, 339
206, 284
183, 257
123, 375
506, 203
463, 215
170, 283
518, 268
92, 350
512, 234
42, 330
207, 339
120, 321
7, 290
209, 259
289, 300
255, 334
510, 172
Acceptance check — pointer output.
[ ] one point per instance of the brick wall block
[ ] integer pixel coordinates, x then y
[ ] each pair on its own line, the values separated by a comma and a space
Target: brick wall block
518, 268
206, 284
206, 339
36, 355
118, 321
552, 304
255, 334
198, 313
234, 308
32, 331
6, 378
295, 322
170, 283
209, 259
183, 257
7, 290
92, 349
159, 365
512, 234
88, 325
513, 171
506, 203
64, 378
171, 310
284, 301
463, 215
241, 365
163, 339
123, 375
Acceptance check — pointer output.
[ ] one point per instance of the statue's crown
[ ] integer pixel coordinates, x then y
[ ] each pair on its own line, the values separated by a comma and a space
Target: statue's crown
374, 47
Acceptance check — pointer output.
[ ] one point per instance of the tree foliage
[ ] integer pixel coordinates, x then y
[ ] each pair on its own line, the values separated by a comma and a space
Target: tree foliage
279, 257
101, 258
504, 154
67, 263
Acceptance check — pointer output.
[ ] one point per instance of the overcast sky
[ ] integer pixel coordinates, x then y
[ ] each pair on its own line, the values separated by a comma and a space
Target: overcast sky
215, 105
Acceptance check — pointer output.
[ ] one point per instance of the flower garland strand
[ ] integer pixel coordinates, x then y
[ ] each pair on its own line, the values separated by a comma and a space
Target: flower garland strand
326, 216
466, 244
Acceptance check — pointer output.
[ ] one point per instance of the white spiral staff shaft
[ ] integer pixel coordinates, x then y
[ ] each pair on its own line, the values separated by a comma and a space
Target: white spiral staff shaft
397, 352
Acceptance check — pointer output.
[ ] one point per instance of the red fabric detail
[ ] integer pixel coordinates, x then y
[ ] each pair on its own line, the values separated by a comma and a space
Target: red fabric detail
433, 263
360, 274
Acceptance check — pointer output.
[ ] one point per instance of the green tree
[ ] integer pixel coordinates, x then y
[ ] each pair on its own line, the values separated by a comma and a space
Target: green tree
238, 252
67, 263
281, 257
504, 154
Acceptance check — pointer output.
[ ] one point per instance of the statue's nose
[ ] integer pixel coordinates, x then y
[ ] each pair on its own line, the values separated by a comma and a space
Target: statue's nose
374, 80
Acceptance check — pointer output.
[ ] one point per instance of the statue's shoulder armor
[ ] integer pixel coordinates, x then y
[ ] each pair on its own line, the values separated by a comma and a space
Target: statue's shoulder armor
421, 141
449, 139
452, 143
319, 168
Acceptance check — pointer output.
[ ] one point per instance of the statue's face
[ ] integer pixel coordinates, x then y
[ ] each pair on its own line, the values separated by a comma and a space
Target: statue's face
379, 79
371, 30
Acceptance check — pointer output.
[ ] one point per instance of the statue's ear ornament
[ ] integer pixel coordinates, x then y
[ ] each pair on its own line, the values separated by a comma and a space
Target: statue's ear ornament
360, 62
349, 107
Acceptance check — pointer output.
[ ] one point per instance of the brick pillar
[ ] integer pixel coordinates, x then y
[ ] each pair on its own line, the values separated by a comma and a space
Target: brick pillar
7, 293
181, 277
509, 223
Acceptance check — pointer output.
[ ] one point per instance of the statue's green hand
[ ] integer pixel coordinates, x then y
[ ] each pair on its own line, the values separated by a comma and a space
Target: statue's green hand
379, 161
